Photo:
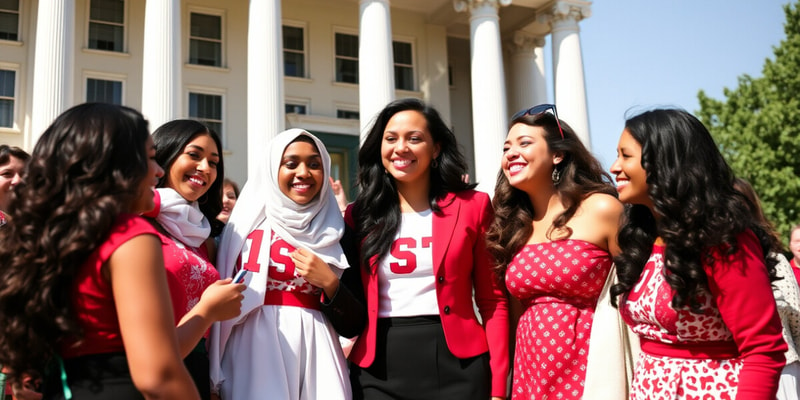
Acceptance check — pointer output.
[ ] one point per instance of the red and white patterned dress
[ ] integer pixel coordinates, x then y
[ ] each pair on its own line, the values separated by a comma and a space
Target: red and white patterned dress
734, 345
558, 284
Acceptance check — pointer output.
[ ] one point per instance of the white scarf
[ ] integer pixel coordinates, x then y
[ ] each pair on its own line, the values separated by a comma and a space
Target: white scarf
316, 226
181, 219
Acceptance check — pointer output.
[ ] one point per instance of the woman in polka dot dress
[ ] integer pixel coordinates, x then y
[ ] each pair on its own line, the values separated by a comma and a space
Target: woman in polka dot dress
693, 277
556, 218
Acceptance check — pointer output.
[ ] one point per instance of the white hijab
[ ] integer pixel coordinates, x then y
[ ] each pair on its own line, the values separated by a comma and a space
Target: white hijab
316, 226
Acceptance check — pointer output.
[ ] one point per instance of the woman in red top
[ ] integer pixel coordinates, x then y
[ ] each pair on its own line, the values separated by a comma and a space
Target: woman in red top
188, 202
693, 275
84, 289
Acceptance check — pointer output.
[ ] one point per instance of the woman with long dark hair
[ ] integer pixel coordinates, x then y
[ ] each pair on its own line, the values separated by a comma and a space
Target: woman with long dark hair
84, 293
553, 238
693, 274
420, 230
189, 198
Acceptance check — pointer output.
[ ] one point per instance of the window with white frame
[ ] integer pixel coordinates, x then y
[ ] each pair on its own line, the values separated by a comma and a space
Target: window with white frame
347, 114
103, 91
294, 54
207, 108
403, 65
8, 81
9, 20
346, 58
205, 39
292, 108
107, 25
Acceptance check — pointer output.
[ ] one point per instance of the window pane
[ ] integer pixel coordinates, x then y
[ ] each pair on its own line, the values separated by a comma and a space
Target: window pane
9, 26
107, 10
6, 113
346, 45
7, 83
105, 37
215, 126
293, 38
9, 5
207, 26
346, 71
103, 91
295, 109
402, 52
403, 78
347, 114
207, 106
202, 52
294, 64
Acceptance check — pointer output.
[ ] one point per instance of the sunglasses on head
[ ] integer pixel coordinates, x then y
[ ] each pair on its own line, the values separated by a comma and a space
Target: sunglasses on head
540, 109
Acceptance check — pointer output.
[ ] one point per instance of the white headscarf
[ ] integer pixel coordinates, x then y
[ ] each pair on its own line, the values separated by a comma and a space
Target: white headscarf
316, 226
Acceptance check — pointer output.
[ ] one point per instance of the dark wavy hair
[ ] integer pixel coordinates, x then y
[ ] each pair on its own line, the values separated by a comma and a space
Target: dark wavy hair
6, 152
377, 205
581, 176
85, 170
171, 139
693, 193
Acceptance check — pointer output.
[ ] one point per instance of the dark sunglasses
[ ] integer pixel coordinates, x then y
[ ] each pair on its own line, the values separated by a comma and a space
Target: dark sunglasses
540, 109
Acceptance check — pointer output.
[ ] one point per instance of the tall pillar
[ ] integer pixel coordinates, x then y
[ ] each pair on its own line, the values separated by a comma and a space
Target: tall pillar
54, 63
161, 63
375, 61
266, 113
489, 110
570, 87
527, 86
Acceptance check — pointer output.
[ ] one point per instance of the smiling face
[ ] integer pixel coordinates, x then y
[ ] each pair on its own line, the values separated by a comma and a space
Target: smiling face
301, 174
794, 245
10, 176
527, 160
145, 201
630, 175
228, 201
195, 169
408, 149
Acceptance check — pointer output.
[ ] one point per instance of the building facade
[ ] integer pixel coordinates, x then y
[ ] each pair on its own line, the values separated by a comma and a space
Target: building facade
251, 69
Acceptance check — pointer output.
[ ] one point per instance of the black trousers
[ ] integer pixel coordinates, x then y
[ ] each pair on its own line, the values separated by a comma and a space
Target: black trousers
412, 361
95, 377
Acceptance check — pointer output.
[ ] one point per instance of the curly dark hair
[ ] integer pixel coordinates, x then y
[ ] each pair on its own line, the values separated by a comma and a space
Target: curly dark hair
699, 209
581, 176
171, 139
85, 170
377, 206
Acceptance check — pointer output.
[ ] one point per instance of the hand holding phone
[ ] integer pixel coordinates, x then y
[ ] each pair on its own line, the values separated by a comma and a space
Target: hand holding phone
239, 278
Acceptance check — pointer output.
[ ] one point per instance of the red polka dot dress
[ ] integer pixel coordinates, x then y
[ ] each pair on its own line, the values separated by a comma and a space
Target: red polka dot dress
558, 284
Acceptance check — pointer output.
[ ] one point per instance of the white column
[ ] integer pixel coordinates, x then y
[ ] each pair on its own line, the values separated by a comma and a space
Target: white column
375, 61
265, 106
526, 85
569, 87
489, 110
53, 63
161, 64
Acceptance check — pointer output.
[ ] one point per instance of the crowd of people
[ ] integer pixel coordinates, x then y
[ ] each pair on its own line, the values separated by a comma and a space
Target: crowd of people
133, 268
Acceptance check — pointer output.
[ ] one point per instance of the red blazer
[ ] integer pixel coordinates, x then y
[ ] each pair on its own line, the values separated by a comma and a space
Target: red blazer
461, 262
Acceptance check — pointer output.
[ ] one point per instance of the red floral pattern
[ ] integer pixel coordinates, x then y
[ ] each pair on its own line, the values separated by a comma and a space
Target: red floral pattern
558, 283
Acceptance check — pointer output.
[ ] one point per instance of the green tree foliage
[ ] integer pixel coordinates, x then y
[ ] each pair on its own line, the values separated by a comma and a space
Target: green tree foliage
757, 128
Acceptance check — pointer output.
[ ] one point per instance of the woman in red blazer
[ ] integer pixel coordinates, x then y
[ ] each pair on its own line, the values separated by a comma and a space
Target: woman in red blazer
419, 230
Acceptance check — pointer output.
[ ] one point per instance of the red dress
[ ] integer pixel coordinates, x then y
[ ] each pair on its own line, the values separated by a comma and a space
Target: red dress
733, 349
558, 284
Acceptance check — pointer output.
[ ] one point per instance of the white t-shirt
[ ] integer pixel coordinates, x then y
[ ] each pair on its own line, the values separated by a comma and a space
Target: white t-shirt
405, 275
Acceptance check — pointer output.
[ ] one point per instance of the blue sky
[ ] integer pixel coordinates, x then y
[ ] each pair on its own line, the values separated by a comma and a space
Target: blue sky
643, 53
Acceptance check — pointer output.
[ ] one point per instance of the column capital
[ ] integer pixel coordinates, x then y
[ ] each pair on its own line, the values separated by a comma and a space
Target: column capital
567, 11
522, 41
464, 5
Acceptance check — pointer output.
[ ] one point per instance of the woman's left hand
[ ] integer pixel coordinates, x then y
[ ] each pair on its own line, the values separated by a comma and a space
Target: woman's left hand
315, 271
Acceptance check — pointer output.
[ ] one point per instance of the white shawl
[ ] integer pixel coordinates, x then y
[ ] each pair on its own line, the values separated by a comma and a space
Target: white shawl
316, 226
